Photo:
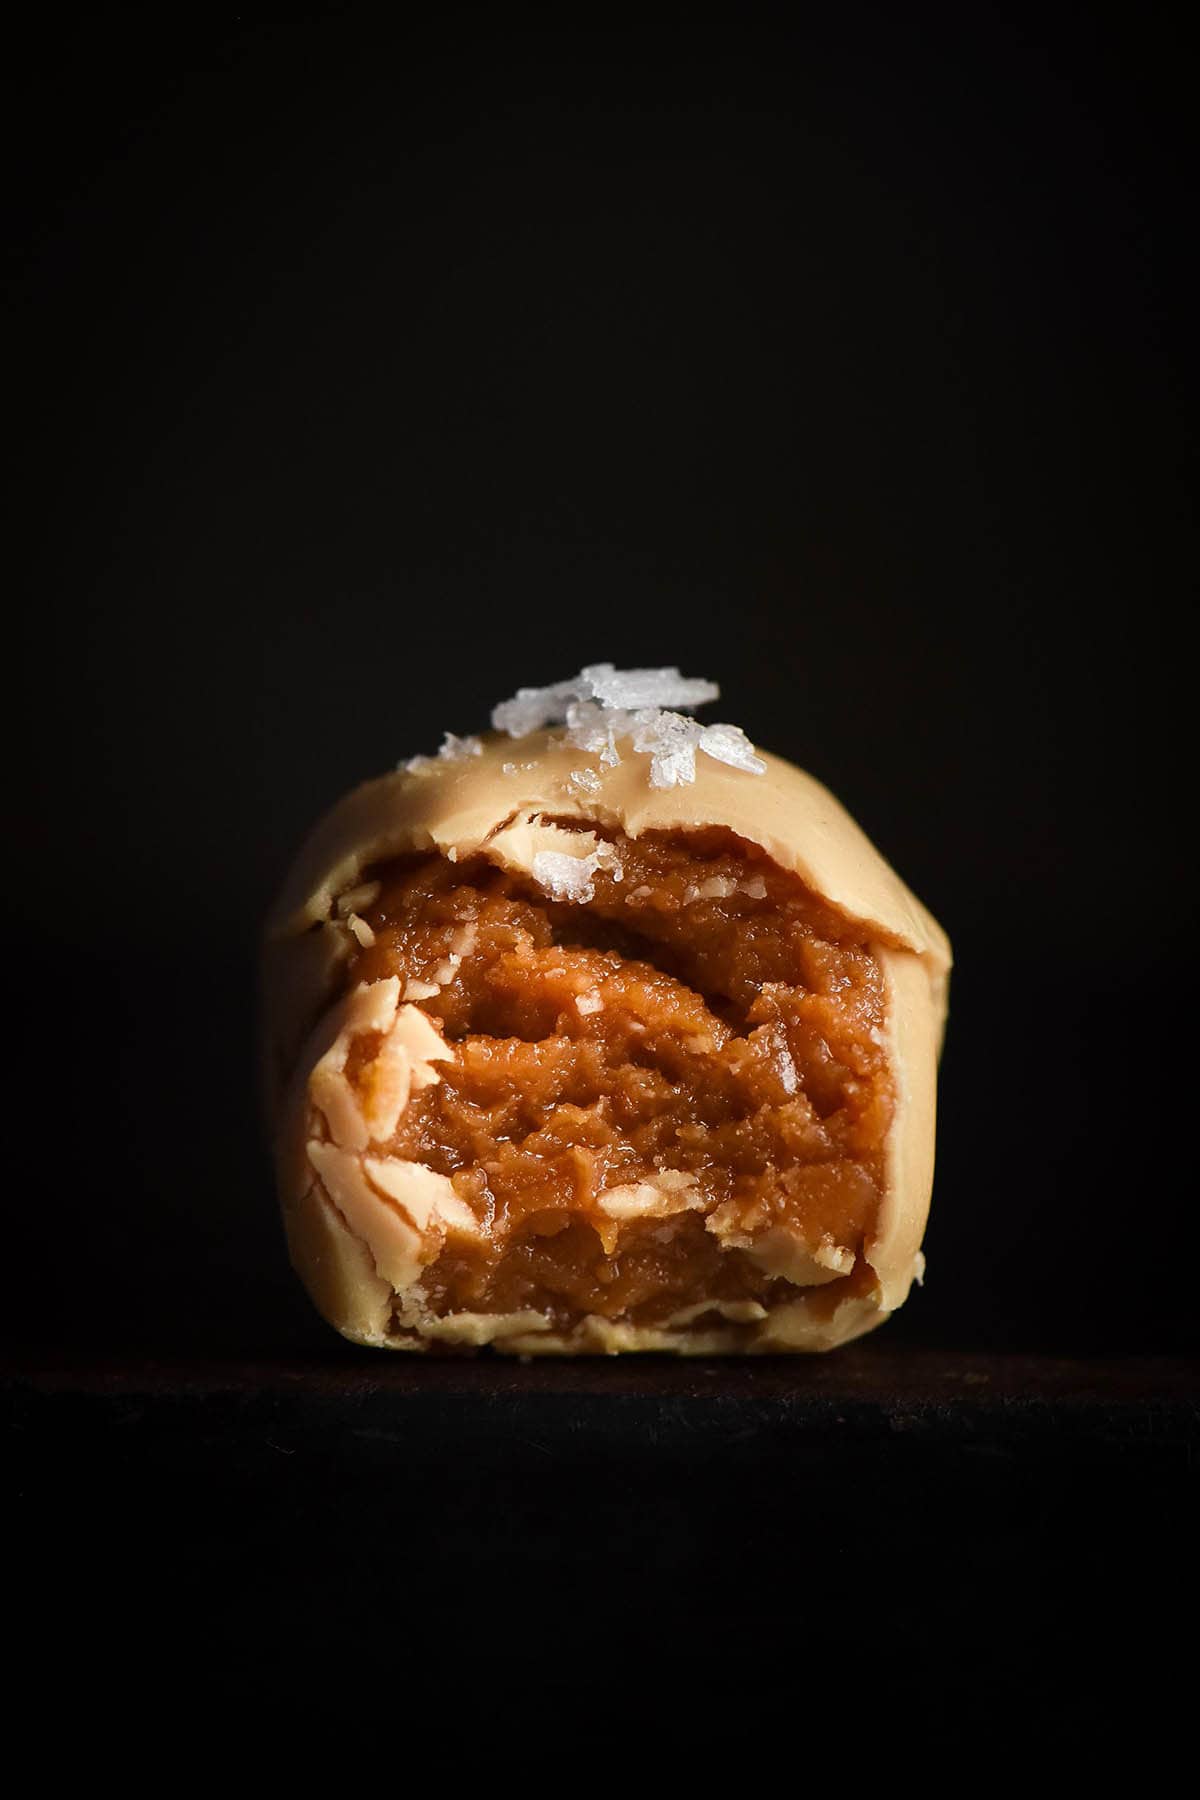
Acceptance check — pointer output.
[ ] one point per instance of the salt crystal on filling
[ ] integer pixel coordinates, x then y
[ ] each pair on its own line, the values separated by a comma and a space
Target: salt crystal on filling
717, 887
565, 877
572, 877
606, 856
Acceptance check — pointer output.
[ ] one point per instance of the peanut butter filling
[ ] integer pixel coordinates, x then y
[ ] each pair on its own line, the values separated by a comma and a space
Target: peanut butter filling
666, 1101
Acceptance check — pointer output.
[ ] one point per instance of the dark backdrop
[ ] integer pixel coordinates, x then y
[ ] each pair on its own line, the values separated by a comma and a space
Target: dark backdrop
372, 371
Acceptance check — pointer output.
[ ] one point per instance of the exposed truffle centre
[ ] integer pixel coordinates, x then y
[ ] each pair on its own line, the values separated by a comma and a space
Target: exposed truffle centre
666, 1098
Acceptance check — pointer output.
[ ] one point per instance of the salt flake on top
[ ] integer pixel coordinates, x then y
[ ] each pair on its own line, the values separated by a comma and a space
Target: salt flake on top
633, 689
603, 705
453, 749
626, 690
729, 744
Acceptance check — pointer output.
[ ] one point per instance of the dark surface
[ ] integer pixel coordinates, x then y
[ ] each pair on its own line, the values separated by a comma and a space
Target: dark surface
875, 1372
1009, 1533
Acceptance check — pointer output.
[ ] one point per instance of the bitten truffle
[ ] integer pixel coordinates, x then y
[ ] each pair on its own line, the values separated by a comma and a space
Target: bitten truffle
604, 1032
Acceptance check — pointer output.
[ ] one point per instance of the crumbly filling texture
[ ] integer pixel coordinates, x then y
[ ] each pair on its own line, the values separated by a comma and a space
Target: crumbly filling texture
663, 1103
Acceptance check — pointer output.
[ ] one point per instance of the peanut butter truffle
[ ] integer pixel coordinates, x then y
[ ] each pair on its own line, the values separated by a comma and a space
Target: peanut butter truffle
603, 1032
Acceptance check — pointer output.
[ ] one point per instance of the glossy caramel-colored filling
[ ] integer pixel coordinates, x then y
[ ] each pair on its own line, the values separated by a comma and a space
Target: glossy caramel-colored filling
703, 1016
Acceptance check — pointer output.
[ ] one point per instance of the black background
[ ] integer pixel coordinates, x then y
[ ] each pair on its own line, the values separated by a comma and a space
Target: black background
364, 370
378, 368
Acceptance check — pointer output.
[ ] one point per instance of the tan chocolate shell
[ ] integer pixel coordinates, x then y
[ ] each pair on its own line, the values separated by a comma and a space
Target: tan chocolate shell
494, 803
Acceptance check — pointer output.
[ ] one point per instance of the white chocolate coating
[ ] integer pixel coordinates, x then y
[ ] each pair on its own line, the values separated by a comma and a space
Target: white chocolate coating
468, 806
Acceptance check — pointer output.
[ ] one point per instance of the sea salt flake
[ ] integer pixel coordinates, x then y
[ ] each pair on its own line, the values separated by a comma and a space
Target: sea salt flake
603, 705
670, 741
606, 856
717, 887
615, 690
593, 728
633, 689
454, 749
565, 877
729, 744
532, 708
